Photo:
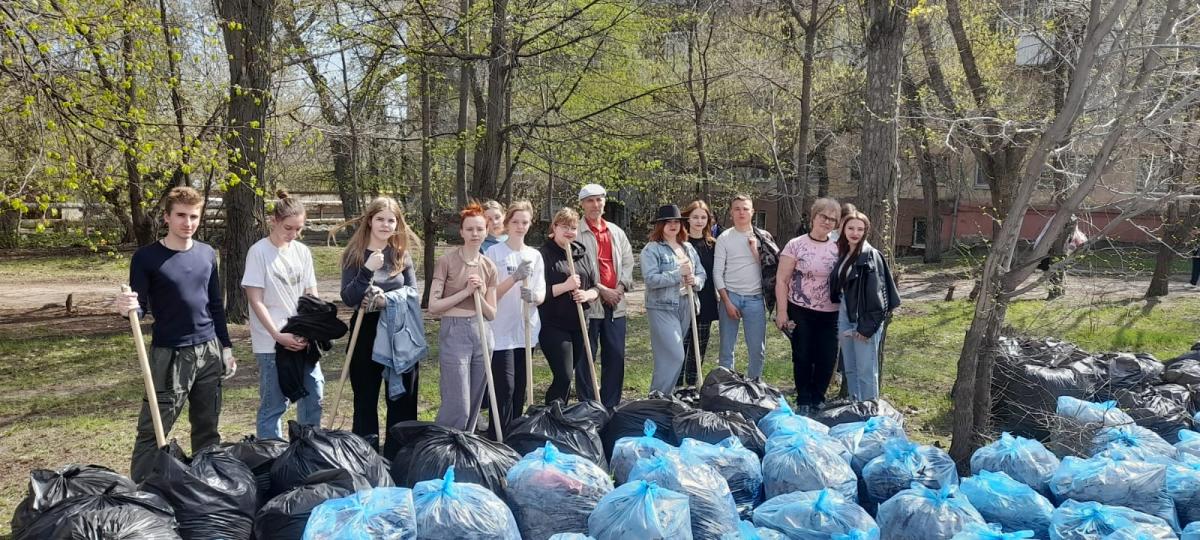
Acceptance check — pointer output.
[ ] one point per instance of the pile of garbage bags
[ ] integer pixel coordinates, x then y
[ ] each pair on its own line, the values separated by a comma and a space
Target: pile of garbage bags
1032, 377
660, 469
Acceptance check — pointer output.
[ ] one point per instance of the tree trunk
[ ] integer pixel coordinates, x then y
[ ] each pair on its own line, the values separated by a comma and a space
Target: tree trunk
464, 91
925, 164
143, 226
887, 20
1178, 223
796, 203
343, 174
247, 26
10, 228
490, 149
427, 214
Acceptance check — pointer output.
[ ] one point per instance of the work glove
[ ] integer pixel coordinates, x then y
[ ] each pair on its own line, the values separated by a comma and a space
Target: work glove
374, 299
230, 363
523, 271
527, 295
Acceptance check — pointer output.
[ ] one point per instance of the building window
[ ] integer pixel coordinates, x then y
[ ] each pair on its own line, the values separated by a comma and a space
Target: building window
981, 180
760, 219
856, 169
920, 229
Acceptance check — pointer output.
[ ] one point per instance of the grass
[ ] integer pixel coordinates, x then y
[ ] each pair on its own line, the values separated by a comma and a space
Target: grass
74, 399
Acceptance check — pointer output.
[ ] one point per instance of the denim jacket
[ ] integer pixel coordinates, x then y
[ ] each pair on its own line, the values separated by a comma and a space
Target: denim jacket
660, 270
400, 337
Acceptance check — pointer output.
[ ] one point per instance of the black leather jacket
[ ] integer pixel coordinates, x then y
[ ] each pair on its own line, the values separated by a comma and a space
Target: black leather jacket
868, 292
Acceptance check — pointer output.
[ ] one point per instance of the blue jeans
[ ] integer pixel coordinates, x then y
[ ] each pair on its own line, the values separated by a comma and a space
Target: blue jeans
272, 404
754, 319
860, 358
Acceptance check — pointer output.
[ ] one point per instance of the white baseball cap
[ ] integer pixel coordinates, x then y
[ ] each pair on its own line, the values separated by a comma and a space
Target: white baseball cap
592, 190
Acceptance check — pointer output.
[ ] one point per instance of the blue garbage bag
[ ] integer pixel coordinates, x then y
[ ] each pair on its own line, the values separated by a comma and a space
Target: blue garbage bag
786, 436
813, 515
737, 464
709, 499
552, 492
1183, 486
1191, 532
920, 513
865, 440
747, 531
857, 534
1024, 460
807, 464
1134, 440
1075, 520
903, 463
1130, 534
1189, 443
1133, 484
449, 509
1008, 503
1087, 412
628, 450
384, 512
641, 510
571, 536
991, 531
785, 417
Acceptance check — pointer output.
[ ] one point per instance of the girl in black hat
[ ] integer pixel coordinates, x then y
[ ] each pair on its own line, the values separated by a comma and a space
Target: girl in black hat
670, 265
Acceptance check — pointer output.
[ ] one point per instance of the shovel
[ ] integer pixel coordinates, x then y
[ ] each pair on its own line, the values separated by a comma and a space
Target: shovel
587, 342
362, 313
487, 364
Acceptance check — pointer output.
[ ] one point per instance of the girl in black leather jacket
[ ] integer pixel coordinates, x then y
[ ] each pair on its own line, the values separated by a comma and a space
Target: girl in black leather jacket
862, 283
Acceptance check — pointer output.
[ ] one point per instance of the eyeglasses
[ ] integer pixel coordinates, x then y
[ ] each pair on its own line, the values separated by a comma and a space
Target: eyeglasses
828, 218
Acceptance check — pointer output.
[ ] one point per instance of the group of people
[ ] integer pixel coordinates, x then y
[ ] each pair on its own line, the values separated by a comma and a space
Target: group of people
832, 290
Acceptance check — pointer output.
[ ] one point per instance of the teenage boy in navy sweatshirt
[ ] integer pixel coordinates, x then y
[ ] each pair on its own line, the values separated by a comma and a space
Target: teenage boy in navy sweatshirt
175, 280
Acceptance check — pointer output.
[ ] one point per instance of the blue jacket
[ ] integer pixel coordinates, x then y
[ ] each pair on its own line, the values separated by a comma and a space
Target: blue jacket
400, 337
660, 271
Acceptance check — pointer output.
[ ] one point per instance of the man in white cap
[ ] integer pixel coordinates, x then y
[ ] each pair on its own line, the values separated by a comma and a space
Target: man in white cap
612, 261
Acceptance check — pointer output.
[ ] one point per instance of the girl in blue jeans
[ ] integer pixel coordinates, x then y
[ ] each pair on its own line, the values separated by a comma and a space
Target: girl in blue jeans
863, 283
279, 270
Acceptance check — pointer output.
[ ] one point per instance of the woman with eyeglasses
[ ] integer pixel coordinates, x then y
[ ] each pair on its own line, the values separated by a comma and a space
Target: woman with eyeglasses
805, 310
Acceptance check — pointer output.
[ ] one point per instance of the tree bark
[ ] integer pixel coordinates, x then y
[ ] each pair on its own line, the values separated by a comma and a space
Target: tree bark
465, 74
887, 21
247, 27
490, 150
10, 228
427, 214
1178, 222
925, 164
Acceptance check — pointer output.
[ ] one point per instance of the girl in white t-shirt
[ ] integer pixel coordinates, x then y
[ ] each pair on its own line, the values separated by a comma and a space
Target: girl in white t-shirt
521, 276
279, 270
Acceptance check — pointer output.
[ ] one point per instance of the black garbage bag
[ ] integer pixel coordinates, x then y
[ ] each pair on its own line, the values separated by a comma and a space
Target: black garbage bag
259, 455
48, 488
1184, 371
725, 390
843, 412
427, 450
1129, 370
128, 515
1030, 375
574, 430
713, 427
284, 517
1156, 408
688, 396
213, 495
313, 449
629, 419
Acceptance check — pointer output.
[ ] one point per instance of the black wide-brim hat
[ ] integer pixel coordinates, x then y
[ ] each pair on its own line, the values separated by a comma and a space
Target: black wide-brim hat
668, 212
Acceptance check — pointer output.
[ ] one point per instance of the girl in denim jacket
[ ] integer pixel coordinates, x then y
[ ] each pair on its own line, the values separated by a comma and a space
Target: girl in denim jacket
669, 266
